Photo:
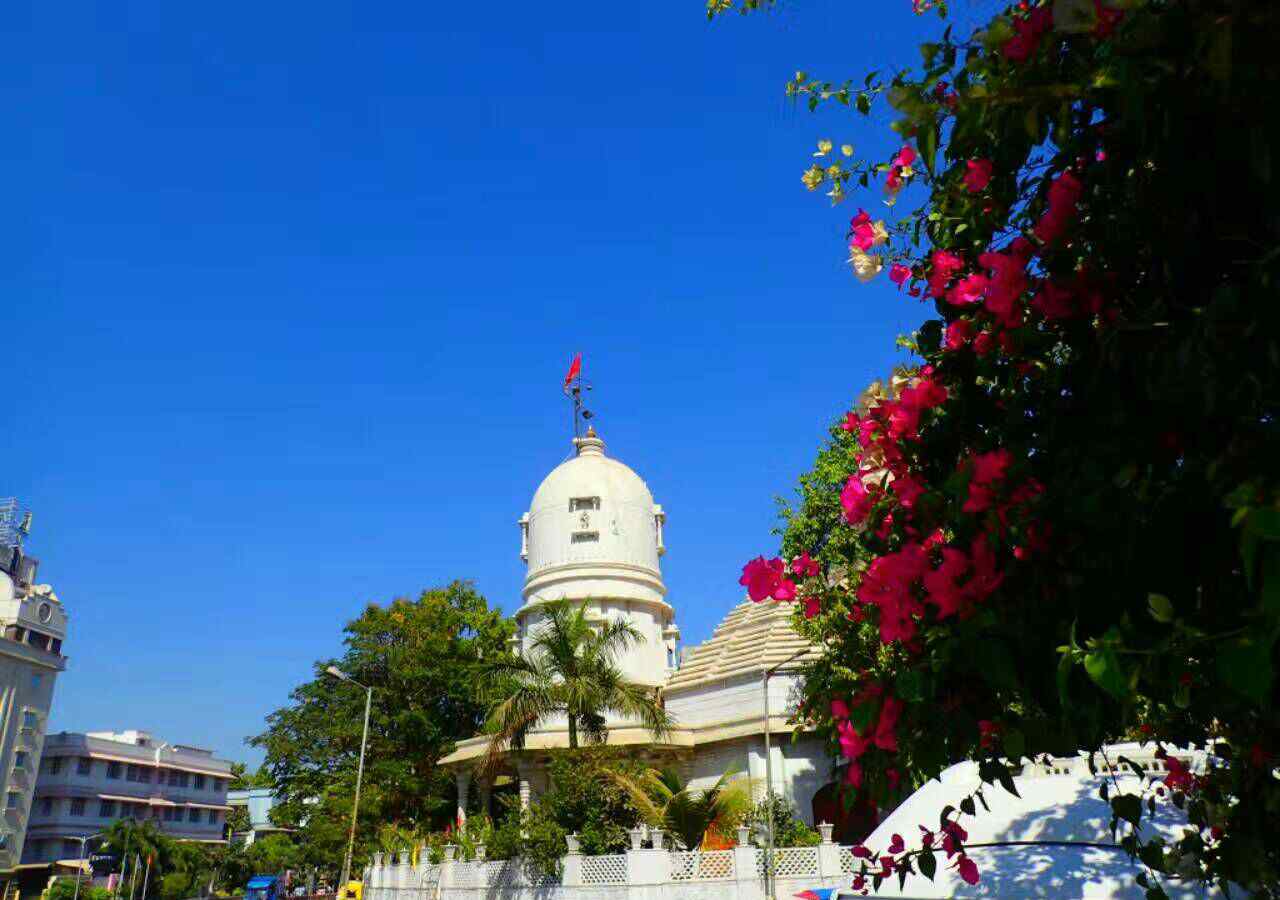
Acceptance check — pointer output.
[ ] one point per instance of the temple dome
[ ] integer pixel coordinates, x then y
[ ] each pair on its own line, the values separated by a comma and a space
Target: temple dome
591, 511
593, 533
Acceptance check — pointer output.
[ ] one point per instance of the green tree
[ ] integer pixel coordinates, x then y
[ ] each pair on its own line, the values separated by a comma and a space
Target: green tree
422, 658
666, 801
242, 779
585, 797
570, 670
1062, 527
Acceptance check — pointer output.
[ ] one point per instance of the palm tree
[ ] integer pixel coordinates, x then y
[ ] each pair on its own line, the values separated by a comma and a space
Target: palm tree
569, 669
665, 801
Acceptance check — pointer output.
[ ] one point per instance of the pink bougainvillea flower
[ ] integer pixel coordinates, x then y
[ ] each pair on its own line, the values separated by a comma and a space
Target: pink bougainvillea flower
958, 334
812, 606
898, 273
856, 500
893, 778
839, 709
1008, 280
1054, 301
886, 736
943, 265
804, 566
926, 837
1027, 33
860, 852
978, 175
853, 774
967, 870
759, 577
1179, 777
941, 586
862, 233
852, 744
984, 343
1064, 194
886, 864
968, 290
763, 578
989, 733
987, 469
896, 844
908, 489
1108, 18
953, 837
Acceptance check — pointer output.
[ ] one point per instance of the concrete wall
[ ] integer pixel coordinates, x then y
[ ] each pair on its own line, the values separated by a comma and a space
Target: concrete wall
27, 678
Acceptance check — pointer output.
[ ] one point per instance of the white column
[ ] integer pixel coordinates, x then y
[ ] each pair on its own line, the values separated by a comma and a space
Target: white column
463, 781
526, 788
828, 855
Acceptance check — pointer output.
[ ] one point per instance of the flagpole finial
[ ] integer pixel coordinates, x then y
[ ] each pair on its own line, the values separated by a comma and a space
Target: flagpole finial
573, 388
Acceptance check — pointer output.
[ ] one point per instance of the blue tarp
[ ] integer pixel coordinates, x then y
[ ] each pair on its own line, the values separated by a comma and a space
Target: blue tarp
261, 881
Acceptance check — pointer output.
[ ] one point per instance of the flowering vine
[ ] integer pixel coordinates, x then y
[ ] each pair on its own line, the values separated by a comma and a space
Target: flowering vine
1059, 526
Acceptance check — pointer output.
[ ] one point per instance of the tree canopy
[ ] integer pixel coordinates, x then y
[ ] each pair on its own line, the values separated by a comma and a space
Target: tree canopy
1060, 526
569, 669
422, 658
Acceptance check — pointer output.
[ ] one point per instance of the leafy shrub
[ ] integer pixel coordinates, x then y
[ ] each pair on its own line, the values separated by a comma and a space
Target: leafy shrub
788, 830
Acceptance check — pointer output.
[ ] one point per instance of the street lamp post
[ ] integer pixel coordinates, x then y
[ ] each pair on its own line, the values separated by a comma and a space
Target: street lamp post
768, 767
355, 805
80, 868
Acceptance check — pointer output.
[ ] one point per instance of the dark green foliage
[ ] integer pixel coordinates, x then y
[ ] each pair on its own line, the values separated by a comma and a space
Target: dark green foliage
422, 657
584, 797
569, 669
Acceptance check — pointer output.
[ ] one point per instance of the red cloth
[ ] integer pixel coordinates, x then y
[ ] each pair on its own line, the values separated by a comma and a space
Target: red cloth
575, 367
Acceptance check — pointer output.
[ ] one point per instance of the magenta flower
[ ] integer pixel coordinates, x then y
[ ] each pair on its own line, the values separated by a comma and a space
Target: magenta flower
978, 175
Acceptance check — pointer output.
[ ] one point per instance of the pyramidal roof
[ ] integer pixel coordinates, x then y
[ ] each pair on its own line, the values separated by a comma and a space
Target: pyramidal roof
753, 637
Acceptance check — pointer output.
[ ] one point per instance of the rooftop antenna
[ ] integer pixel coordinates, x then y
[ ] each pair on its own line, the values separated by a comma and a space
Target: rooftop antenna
573, 389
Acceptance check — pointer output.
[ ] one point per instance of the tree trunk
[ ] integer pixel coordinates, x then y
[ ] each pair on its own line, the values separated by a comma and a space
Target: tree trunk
573, 731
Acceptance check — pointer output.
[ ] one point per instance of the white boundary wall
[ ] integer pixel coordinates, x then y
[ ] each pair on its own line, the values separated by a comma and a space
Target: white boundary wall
638, 874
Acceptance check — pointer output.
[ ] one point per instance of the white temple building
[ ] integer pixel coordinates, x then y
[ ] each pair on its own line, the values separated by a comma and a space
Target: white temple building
593, 533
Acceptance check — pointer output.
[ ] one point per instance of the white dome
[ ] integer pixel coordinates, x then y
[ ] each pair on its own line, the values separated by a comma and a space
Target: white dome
592, 509
594, 533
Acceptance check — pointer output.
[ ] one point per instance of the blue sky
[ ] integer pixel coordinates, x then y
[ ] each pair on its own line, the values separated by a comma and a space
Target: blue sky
292, 287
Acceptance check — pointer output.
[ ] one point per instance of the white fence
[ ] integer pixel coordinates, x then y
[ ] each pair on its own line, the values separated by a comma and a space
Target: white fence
642, 873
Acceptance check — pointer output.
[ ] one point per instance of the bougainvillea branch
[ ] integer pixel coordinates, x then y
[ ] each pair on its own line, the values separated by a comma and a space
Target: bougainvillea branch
1060, 525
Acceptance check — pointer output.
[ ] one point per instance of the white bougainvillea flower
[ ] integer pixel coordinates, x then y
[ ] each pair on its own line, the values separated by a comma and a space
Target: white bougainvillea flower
866, 266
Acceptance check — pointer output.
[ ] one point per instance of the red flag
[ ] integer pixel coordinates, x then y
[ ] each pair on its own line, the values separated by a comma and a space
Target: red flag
574, 368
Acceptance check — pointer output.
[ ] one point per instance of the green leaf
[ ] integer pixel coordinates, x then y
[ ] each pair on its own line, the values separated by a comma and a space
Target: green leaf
967, 806
996, 664
1161, 607
1103, 666
928, 865
1244, 665
929, 145
1015, 744
1127, 807
942, 816
1271, 582
1266, 522
1065, 665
